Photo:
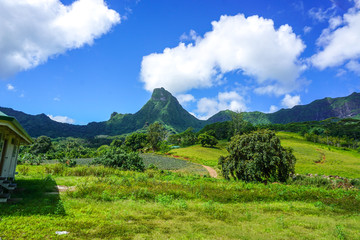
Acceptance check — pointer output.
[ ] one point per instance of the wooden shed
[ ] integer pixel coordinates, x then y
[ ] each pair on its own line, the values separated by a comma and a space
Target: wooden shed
12, 135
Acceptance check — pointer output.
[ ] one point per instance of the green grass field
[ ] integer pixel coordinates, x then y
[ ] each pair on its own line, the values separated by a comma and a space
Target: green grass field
183, 203
112, 204
345, 163
202, 155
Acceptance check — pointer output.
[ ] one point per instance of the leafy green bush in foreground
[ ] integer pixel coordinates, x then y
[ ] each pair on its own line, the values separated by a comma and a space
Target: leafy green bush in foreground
257, 156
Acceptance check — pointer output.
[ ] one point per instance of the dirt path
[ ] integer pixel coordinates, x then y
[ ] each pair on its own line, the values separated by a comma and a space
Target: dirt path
211, 171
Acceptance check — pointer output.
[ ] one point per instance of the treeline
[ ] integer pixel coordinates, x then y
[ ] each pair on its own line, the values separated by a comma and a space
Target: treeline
333, 131
119, 152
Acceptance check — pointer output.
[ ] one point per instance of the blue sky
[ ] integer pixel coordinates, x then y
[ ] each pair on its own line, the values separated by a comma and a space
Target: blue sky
79, 61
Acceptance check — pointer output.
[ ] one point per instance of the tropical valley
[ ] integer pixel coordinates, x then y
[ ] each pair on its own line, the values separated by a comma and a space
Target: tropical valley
160, 174
189, 120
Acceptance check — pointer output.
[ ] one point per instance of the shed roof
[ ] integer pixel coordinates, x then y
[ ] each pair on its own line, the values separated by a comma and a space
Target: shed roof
15, 126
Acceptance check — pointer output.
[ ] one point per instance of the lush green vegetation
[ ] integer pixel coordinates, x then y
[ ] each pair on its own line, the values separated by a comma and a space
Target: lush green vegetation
160, 197
206, 140
333, 131
309, 155
186, 138
257, 156
201, 155
107, 203
117, 157
165, 108
321, 159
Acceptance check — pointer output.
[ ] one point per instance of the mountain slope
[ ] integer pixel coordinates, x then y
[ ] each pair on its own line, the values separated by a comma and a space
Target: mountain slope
41, 124
162, 107
165, 108
342, 107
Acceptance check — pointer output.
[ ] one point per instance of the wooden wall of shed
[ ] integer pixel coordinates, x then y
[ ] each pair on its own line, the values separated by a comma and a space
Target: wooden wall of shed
10, 148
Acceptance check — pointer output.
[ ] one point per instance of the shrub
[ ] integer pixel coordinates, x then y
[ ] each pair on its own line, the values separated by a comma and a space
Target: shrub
164, 147
31, 159
119, 158
186, 138
155, 135
55, 169
257, 156
136, 141
207, 140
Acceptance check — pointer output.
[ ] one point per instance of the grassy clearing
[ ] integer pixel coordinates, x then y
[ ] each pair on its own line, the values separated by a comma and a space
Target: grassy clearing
331, 160
321, 159
159, 161
159, 204
202, 155
112, 204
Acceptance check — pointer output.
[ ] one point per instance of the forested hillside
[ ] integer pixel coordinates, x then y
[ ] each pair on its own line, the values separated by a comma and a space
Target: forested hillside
165, 108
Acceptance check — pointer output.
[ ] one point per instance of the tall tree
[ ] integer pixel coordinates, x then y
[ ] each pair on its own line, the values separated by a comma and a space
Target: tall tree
156, 133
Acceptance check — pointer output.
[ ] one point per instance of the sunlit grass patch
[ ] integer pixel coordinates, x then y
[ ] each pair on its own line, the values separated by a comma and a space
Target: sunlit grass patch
202, 155
345, 163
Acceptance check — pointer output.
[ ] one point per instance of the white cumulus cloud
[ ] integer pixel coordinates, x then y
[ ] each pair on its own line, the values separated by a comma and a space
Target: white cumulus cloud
185, 98
251, 45
354, 66
273, 108
340, 41
10, 87
290, 101
33, 31
207, 107
62, 119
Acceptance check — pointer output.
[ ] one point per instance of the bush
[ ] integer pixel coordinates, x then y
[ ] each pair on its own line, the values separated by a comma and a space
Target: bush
164, 147
207, 140
68, 162
136, 141
28, 158
186, 138
257, 156
119, 158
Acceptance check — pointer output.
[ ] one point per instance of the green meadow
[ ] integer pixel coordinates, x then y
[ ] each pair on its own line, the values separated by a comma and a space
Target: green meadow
176, 199
321, 159
311, 157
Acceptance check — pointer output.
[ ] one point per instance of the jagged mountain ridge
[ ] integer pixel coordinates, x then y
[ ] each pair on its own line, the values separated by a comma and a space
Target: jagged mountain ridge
162, 107
165, 108
341, 107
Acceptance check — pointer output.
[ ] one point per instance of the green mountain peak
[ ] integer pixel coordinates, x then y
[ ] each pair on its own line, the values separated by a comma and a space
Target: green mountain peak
160, 94
165, 108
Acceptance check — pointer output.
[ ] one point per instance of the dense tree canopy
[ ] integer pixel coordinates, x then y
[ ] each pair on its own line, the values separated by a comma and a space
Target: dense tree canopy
41, 145
257, 156
136, 141
206, 140
186, 138
155, 135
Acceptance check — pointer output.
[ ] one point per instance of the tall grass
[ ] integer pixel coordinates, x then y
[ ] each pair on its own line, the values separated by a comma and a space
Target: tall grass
157, 204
